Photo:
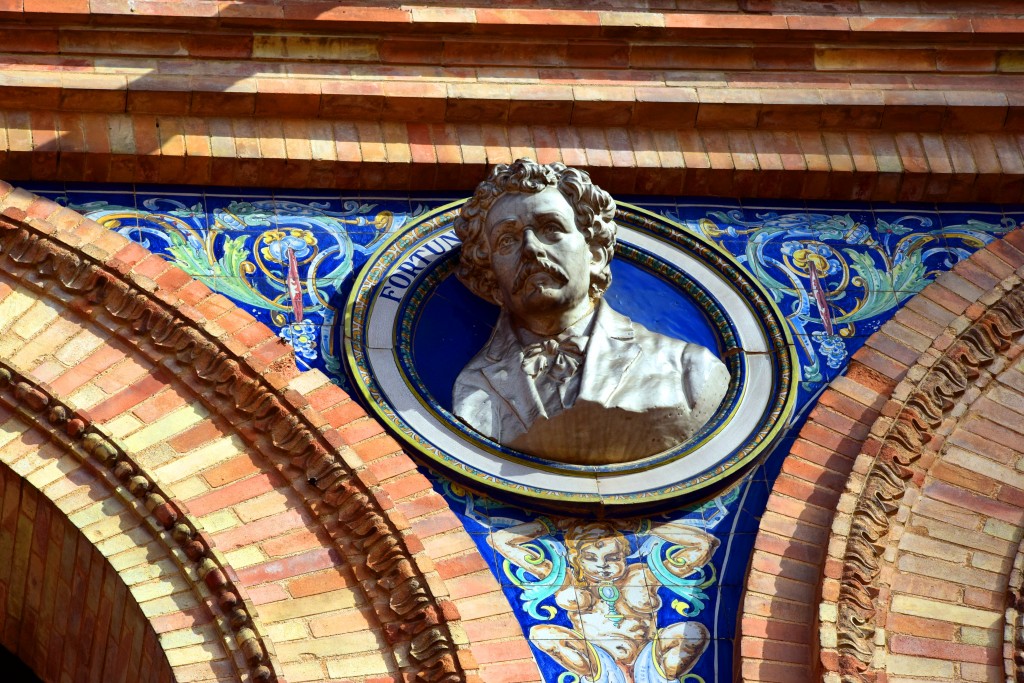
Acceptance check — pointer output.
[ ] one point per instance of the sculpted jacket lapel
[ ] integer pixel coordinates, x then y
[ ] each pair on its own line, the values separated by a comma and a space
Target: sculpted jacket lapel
611, 353
505, 375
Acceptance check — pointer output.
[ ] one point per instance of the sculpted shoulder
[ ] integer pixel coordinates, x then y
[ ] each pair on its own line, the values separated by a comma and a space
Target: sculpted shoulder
473, 397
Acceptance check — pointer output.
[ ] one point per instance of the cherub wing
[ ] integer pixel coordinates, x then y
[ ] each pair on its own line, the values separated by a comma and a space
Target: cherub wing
536, 591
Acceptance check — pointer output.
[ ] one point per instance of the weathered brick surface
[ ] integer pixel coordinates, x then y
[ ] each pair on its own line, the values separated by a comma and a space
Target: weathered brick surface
947, 559
266, 524
921, 106
72, 578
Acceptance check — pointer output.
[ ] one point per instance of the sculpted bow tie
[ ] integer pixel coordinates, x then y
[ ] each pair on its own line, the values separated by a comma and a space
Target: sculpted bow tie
559, 359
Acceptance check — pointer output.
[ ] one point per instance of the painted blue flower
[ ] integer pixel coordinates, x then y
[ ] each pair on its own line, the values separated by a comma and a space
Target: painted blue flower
302, 337
802, 254
280, 241
859, 234
832, 347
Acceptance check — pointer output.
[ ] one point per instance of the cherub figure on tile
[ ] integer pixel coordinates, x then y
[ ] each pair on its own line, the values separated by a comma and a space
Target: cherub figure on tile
610, 595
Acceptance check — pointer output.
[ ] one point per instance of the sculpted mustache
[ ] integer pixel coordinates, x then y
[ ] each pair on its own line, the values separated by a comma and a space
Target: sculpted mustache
533, 267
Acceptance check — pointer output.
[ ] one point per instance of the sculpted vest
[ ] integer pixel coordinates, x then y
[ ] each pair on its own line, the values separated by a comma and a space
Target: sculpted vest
640, 393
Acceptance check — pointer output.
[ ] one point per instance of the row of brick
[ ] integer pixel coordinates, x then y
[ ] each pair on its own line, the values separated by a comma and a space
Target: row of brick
254, 517
745, 100
77, 604
390, 155
800, 544
40, 339
177, 47
681, 17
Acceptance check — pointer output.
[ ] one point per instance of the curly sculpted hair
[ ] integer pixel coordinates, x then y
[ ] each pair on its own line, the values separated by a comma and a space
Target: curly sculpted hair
593, 208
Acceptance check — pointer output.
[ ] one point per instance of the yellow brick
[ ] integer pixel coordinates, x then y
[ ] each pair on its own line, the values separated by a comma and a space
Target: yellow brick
111, 507
308, 381
86, 397
35, 319
943, 611
245, 557
185, 637
221, 520
78, 347
198, 460
104, 529
1000, 529
918, 666
353, 667
173, 603
165, 427
130, 540
10, 345
159, 589
982, 673
189, 488
982, 465
269, 503
284, 610
981, 636
207, 652
123, 425
61, 488
51, 472
443, 545
29, 462
148, 572
157, 455
11, 430
339, 622
345, 644
298, 672
288, 630
12, 306
136, 556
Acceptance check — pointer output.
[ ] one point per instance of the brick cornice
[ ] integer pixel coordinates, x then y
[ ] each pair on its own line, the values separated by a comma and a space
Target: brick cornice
745, 20
353, 155
840, 102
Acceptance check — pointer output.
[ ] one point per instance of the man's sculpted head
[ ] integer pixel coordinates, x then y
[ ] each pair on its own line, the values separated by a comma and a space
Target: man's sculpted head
545, 188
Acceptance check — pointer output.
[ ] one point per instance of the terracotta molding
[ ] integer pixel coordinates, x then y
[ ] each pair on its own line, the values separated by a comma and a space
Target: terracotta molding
934, 388
361, 155
400, 95
876, 409
744, 20
74, 432
413, 617
1013, 634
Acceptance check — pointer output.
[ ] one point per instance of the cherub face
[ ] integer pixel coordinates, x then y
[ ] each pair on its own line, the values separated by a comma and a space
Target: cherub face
602, 560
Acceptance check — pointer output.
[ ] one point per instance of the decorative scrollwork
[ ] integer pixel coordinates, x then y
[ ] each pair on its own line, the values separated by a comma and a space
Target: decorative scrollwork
54, 416
885, 484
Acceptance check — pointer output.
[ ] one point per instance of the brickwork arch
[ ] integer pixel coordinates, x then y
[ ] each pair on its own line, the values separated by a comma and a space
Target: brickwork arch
354, 567
818, 589
92, 589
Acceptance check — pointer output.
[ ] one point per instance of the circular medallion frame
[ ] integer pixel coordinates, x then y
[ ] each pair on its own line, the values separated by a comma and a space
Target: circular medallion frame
386, 307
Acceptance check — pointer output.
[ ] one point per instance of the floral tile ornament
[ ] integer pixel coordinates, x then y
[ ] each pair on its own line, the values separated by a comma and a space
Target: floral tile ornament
835, 275
280, 259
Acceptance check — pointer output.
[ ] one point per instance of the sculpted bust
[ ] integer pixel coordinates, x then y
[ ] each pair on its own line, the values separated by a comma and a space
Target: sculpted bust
564, 376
